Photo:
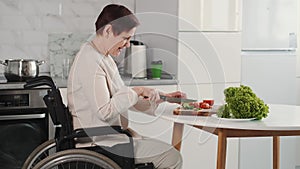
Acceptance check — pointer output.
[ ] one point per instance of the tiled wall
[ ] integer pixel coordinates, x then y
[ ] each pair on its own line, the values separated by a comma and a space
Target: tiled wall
26, 24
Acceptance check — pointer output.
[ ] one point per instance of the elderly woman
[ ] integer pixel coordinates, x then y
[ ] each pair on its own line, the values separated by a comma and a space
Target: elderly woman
97, 95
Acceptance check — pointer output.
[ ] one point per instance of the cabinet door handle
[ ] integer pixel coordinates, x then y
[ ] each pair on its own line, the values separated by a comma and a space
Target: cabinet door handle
22, 117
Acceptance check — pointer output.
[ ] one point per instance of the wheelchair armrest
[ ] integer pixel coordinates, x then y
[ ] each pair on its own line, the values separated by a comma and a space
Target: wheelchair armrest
41, 78
39, 81
97, 131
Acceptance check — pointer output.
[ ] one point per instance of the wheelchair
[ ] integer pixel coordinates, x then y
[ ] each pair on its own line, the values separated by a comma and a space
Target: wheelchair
61, 153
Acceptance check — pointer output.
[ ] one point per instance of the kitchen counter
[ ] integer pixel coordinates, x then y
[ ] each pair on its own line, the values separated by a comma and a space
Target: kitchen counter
4, 85
148, 82
62, 83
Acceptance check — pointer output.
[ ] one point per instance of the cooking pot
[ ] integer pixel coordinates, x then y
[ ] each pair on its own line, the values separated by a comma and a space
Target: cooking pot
18, 70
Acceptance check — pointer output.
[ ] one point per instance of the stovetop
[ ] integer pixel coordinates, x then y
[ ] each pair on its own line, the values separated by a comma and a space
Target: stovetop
12, 85
59, 82
4, 85
2, 79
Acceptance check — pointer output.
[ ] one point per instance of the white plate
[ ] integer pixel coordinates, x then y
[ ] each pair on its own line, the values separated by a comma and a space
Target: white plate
231, 119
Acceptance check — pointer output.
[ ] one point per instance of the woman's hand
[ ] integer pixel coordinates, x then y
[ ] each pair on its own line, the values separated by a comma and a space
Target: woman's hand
147, 93
177, 94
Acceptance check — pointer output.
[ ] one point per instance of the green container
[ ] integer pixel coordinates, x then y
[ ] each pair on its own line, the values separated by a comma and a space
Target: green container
156, 67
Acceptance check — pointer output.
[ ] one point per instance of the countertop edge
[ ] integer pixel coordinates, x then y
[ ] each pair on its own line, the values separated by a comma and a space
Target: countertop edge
61, 83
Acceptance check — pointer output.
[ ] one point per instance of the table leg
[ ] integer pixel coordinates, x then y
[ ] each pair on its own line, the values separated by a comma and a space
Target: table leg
222, 144
177, 135
276, 152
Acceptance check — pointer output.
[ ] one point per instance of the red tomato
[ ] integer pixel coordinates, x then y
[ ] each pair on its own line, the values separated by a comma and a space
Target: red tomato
204, 105
209, 101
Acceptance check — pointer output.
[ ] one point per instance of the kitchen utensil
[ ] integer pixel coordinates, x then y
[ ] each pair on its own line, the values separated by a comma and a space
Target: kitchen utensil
176, 100
17, 70
135, 61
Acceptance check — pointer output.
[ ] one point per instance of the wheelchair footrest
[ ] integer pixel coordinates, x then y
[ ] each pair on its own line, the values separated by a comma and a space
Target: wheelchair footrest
144, 166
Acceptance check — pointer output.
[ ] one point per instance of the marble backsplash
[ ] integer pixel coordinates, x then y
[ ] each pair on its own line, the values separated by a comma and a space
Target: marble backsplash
25, 26
30, 29
62, 49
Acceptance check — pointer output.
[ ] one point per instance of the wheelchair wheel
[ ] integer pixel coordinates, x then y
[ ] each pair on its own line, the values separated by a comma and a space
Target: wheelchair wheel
77, 158
39, 153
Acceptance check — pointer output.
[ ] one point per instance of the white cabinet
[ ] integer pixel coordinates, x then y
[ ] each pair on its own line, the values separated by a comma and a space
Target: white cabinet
210, 57
260, 70
189, 15
270, 24
264, 81
208, 62
159, 31
209, 15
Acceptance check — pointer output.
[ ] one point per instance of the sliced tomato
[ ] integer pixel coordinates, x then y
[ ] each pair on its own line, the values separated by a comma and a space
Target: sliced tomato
204, 105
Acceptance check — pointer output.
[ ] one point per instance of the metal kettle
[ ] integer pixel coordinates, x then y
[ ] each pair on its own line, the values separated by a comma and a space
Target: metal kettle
135, 61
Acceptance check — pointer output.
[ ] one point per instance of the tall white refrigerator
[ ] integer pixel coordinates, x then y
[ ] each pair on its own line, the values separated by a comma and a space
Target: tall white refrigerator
269, 66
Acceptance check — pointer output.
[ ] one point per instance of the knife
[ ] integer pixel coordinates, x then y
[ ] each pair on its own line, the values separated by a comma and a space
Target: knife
176, 99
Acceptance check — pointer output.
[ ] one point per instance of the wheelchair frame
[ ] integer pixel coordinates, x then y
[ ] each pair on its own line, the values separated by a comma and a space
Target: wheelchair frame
61, 150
